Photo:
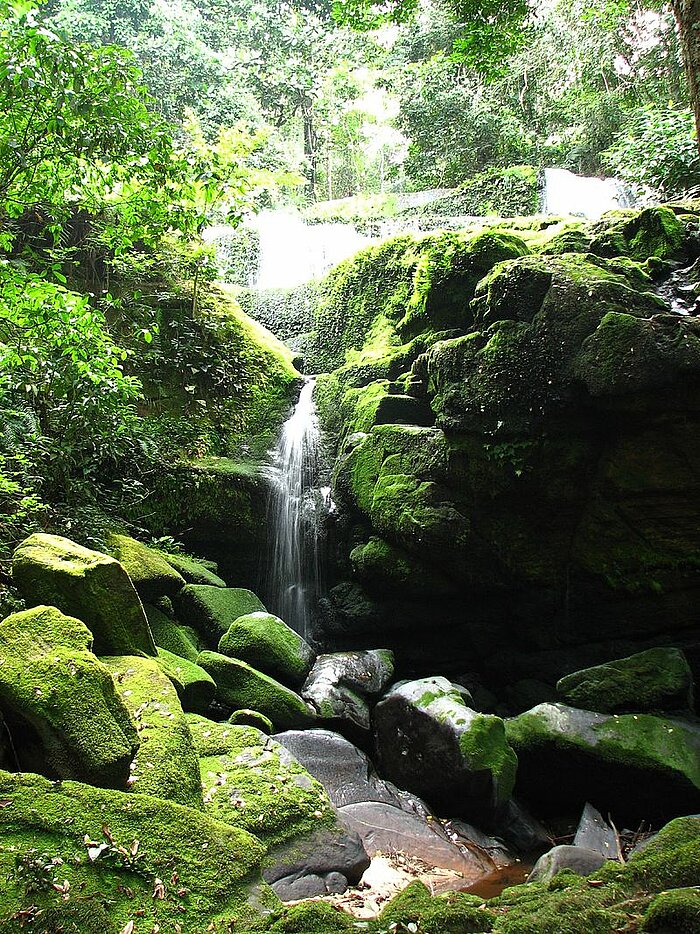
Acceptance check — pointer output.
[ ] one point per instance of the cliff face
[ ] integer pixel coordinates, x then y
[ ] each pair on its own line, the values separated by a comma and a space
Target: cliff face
516, 440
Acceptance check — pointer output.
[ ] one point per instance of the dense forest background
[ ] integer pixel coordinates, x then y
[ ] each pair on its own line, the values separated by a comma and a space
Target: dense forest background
127, 126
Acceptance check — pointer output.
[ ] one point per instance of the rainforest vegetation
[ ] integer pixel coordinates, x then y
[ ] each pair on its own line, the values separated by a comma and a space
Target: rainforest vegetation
502, 495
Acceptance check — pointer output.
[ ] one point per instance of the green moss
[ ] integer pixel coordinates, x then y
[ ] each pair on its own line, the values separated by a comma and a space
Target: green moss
485, 746
380, 564
240, 686
456, 913
251, 718
95, 588
250, 781
311, 918
195, 688
167, 634
655, 231
149, 572
166, 764
677, 911
50, 678
211, 610
208, 869
194, 570
671, 859
267, 643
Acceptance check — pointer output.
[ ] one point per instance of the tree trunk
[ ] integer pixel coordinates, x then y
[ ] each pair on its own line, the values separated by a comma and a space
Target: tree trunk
687, 13
311, 147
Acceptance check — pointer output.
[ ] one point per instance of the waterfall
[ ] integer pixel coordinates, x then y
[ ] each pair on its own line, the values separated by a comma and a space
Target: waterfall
586, 196
296, 507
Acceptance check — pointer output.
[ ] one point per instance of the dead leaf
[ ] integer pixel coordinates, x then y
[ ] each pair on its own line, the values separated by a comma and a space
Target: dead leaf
128, 928
159, 889
5, 803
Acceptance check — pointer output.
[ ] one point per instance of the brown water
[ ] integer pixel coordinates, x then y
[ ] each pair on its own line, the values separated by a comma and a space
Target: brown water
493, 884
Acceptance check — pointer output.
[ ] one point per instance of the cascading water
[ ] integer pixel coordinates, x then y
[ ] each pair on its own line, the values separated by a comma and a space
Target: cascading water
586, 196
295, 512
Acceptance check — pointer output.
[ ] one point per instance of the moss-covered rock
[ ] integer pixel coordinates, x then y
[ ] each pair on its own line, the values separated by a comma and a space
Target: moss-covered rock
380, 564
270, 645
52, 570
455, 913
150, 573
655, 231
430, 742
252, 782
194, 570
120, 849
211, 610
170, 635
50, 679
195, 688
310, 918
166, 764
637, 766
240, 686
251, 718
658, 679
674, 912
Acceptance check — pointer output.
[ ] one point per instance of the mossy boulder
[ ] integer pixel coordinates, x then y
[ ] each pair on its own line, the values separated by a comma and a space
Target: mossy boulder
431, 743
252, 782
119, 848
195, 688
52, 570
310, 918
241, 686
150, 573
251, 718
635, 766
381, 565
166, 764
655, 231
211, 610
51, 680
658, 679
270, 645
195, 570
171, 635
455, 913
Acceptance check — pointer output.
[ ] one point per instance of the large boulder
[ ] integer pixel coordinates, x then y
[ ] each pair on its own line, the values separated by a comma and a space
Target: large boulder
150, 573
158, 861
52, 570
269, 644
171, 635
658, 679
52, 682
634, 766
211, 610
252, 781
576, 859
166, 764
337, 684
430, 742
242, 687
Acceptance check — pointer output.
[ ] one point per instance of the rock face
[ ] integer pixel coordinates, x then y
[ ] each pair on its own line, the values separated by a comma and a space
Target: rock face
576, 859
51, 680
338, 683
267, 643
93, 587
166, 764
429, 742
557, 475
636, 766
242, 687
658, 679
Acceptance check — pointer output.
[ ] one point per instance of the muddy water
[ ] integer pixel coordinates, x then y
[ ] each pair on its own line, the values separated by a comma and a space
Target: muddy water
493, 884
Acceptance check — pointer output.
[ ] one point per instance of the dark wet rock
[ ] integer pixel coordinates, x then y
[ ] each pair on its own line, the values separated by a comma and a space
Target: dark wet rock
429, 742
327, 850
574, 858
516, 825
594, 833
388, 829
337, 684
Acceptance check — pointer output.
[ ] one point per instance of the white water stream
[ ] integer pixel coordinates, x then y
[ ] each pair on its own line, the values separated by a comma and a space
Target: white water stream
586, 196
295, 509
